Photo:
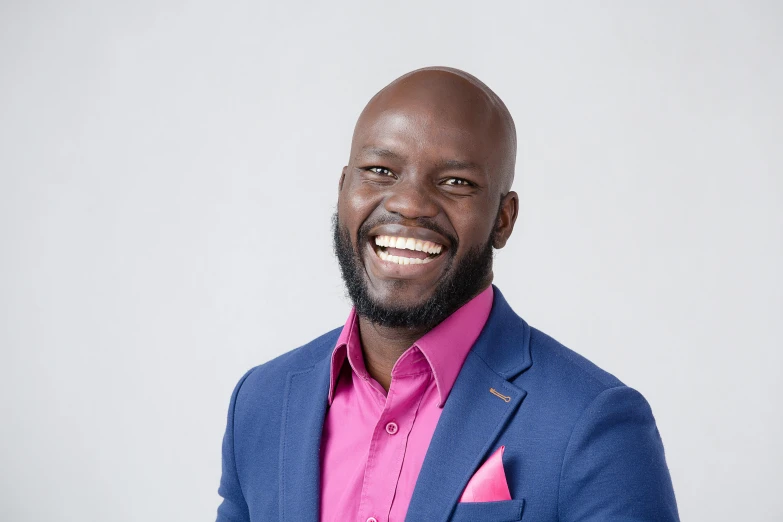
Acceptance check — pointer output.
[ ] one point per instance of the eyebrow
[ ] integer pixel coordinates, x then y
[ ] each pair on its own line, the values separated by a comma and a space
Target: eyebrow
458, 165
452, 164
381, 153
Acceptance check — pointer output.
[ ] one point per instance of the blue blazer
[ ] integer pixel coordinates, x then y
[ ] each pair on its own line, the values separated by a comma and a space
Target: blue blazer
580, 445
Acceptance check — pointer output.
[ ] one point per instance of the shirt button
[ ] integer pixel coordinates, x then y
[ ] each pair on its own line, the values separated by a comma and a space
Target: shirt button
391, 429
372, 519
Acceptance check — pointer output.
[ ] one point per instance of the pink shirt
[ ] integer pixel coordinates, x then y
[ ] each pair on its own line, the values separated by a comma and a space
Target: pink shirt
374, 444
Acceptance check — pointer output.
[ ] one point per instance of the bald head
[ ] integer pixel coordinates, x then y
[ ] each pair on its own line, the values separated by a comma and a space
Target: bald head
425, 198
450, 102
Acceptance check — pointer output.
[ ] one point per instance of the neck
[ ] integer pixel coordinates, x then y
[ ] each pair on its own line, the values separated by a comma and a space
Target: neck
382, 346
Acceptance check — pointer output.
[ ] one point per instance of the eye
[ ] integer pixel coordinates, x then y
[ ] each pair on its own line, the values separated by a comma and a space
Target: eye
457, 182
383, 171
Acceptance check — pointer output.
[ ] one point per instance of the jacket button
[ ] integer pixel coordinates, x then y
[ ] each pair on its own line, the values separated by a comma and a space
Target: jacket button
391, 429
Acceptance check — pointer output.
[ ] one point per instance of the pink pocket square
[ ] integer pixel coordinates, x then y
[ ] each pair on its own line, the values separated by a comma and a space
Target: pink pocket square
488, 484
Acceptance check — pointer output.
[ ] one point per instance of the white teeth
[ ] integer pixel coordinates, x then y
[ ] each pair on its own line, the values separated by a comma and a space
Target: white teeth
431, 248
408, 243
400, 260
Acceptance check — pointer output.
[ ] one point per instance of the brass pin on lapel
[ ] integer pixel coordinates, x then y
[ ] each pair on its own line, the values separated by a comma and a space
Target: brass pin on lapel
496, 393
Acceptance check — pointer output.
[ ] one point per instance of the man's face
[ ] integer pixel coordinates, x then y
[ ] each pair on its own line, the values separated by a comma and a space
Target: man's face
418, 209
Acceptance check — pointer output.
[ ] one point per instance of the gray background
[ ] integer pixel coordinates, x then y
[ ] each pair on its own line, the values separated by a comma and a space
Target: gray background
168, 171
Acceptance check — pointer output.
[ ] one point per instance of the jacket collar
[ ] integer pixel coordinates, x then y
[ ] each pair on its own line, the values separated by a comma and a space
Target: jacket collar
504, 344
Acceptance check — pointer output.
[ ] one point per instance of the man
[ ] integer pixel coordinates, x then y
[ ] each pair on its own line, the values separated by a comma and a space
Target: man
435, 401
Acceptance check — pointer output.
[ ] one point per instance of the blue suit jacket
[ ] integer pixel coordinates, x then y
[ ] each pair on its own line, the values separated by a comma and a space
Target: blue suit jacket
580, 445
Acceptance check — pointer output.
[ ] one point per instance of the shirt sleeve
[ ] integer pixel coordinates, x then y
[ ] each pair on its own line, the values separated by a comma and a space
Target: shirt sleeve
614, 467
233, 508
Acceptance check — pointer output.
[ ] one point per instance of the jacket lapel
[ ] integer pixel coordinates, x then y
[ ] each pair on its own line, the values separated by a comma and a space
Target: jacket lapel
300, 442
468, 427
473, 416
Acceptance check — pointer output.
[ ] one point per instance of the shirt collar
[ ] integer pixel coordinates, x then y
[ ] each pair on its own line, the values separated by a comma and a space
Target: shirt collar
445, 347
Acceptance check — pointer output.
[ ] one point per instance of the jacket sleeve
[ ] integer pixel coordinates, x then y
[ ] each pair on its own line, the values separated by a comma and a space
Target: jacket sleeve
234, 507
614, 466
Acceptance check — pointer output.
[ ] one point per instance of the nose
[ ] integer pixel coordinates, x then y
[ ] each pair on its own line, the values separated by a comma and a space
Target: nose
411, 200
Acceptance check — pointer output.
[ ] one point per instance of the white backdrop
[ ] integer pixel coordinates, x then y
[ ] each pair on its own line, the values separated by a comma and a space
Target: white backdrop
168, 171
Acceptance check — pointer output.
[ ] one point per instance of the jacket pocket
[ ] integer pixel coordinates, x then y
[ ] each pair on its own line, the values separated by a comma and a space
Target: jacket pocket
500, 511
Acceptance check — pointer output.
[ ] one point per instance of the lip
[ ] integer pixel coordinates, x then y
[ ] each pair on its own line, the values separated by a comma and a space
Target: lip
424, 234
388, 270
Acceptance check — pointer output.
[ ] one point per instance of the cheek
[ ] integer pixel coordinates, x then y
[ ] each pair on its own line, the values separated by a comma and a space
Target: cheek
353, 212
359, 201
356, 203
473, 225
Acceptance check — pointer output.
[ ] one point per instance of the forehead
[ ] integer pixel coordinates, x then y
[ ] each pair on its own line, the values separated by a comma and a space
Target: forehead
409, 132
429, 120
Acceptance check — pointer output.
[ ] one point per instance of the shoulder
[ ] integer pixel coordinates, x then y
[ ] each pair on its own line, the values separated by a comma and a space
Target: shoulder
593, 418
551, 355
577, 385
561, 385
591, 439
268, 380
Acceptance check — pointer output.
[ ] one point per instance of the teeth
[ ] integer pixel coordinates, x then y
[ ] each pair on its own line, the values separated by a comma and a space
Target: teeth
408, 243
403, 260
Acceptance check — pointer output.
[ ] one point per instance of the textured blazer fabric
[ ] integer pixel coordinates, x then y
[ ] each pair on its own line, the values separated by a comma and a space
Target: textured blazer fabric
579, 444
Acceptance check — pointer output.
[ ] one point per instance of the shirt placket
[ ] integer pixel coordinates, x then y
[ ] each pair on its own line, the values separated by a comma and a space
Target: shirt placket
388, 444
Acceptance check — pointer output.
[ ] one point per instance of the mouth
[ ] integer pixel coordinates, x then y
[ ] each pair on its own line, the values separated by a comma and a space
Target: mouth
401, 250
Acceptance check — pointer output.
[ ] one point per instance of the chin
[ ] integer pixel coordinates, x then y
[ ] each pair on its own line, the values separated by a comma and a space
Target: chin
400, 294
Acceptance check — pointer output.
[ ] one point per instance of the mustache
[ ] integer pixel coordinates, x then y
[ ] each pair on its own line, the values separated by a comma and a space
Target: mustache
388, 219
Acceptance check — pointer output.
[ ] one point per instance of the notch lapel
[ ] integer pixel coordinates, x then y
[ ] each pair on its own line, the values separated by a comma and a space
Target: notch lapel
300, 442
468, 427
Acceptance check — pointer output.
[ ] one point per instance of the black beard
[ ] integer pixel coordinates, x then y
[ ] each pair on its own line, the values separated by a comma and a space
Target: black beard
468, 278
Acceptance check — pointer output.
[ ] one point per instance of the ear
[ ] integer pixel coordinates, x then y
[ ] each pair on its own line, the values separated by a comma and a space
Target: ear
342, 180
507, 216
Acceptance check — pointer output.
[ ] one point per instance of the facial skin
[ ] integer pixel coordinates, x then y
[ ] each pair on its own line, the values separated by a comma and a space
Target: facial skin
463, 280
432, 159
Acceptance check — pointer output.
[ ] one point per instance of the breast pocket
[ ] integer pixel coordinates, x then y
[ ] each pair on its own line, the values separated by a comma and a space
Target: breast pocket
500, 511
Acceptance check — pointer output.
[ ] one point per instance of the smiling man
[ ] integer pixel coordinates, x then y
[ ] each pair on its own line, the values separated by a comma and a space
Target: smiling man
435, 401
